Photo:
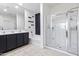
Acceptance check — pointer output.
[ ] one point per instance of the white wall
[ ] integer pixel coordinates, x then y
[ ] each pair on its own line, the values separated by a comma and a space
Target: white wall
7, 21
36, 40
46, 19
20, 21
27, 24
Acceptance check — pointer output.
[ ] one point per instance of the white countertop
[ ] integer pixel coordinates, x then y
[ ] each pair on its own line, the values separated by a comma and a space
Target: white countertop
6, 32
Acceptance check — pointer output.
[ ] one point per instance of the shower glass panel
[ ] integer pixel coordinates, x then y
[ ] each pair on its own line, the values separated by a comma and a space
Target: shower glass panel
73, 33
57, 32
63, 32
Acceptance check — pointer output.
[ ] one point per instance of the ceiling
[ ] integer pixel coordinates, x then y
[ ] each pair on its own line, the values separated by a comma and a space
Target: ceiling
52, 4
33, 7
61, 4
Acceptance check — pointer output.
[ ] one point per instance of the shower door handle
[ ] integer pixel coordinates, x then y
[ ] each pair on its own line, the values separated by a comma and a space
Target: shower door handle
66, 34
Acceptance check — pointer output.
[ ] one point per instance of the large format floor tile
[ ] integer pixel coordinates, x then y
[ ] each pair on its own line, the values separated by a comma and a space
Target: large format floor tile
29, 50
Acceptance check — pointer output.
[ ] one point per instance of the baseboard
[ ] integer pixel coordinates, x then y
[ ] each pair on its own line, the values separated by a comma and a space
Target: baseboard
60, 51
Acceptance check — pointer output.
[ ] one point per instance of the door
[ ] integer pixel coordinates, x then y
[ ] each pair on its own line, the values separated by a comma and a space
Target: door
57, 37
73, 33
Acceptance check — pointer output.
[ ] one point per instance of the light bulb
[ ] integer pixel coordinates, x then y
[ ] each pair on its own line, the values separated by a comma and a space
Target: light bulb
16, 7
5, 10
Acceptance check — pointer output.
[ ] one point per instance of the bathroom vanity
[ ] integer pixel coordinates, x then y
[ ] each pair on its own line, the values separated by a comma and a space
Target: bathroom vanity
10, 41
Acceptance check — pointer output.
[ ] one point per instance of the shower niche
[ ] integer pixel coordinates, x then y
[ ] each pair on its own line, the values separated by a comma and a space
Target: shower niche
64, 32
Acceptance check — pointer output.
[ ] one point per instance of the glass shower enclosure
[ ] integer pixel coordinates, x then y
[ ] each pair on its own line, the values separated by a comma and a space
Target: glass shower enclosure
64, 31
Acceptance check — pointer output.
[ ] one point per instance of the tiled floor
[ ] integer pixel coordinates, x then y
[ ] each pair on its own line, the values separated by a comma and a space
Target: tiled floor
30, 50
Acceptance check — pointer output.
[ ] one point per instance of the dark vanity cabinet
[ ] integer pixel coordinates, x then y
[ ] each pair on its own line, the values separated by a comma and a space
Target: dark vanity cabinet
26, 37
11, 41
2, 43
20, 39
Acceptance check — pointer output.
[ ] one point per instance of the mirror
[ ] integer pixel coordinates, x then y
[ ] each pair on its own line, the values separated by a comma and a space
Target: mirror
16, 17
11, 16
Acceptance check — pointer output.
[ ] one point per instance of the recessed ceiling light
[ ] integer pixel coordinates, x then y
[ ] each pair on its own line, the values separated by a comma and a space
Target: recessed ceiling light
5, 10
16, 7
20, 4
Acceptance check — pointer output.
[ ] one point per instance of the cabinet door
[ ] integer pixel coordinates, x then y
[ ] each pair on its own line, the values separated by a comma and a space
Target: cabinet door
26, 38
2, 44
20, 39
11, 41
